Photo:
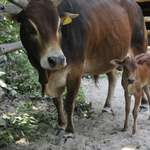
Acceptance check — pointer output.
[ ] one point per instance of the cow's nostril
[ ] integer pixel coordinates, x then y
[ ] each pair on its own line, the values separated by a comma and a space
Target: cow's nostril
52, 61
130, 81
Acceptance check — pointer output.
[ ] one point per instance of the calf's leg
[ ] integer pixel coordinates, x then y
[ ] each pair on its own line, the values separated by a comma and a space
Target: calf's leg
127, 108
135, 111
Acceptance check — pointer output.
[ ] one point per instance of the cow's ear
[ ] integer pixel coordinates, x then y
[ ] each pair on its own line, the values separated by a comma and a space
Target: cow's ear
15, 17
66, 17
116, 62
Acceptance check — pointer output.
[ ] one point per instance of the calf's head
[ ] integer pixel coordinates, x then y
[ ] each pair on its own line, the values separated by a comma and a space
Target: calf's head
129, 68
41, 31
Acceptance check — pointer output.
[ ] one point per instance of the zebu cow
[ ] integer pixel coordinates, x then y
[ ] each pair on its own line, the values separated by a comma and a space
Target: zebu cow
61, 50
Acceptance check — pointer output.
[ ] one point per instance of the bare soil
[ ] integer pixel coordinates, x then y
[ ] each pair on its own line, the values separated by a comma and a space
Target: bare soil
100, 131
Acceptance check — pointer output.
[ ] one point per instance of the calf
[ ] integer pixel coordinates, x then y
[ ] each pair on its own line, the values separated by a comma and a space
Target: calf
135, 78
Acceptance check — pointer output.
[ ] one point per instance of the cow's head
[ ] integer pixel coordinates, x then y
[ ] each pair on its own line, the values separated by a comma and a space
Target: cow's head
41, 30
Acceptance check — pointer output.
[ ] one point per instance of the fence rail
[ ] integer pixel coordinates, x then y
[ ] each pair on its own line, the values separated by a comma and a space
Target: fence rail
7, 48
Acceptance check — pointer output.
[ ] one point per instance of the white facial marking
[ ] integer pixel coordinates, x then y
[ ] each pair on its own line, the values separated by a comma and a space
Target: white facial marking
34, 25
57, 34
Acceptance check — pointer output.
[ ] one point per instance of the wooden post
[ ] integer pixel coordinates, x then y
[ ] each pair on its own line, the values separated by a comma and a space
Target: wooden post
7, 48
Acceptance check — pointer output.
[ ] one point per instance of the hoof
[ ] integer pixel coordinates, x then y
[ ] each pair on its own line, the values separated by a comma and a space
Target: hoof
66, 140
124, 130
108, 110
134, 135
143, 108
106, 115
59, 132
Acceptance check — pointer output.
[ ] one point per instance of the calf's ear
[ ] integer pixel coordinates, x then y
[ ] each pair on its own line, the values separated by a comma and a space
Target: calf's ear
144, 62
116, 62
143, 59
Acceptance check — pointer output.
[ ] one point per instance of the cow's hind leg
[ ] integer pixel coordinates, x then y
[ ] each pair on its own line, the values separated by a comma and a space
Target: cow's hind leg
112, 79
144, 103
62, 123
147, 91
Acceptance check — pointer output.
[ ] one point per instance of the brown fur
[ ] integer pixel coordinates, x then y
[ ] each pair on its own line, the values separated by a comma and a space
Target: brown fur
104, 30
135, 70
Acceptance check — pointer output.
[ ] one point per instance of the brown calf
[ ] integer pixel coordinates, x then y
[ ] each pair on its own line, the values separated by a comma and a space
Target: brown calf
135, 78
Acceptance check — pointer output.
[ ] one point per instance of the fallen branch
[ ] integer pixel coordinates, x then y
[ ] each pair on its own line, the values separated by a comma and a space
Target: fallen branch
7, 48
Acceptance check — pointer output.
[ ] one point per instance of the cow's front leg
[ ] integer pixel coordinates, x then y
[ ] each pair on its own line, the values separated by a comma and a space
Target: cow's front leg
112, 79
62, 122
73, 84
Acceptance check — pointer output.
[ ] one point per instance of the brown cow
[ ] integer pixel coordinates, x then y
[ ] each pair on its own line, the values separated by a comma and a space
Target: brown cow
76, 37
135, 77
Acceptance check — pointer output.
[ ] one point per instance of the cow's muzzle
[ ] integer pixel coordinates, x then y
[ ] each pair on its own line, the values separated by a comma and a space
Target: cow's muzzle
130, 81
57, 62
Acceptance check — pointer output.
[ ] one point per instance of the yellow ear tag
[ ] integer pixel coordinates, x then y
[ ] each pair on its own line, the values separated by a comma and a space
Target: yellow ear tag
67, 21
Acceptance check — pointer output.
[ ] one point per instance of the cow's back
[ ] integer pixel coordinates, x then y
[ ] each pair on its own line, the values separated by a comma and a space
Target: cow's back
104, 30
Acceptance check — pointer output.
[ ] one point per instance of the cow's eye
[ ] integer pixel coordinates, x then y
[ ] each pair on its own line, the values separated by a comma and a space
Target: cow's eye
31, 29
124, 67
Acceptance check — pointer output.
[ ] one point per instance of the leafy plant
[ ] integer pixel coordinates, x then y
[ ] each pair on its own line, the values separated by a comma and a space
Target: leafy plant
24, 126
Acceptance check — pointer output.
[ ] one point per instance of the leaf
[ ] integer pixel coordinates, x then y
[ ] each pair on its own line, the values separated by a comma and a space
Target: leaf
2, 122
13, 92
2, 84
2, 73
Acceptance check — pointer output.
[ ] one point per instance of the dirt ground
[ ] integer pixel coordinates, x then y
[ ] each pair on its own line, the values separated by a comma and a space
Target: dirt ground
101, 132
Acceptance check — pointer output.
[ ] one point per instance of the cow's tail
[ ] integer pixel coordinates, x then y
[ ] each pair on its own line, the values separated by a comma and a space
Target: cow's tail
96, 77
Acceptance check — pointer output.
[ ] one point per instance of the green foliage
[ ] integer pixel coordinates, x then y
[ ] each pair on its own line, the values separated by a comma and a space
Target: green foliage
16, 128
103, 76
9, 32
21, 78
25, 125
80, 95
119, 72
